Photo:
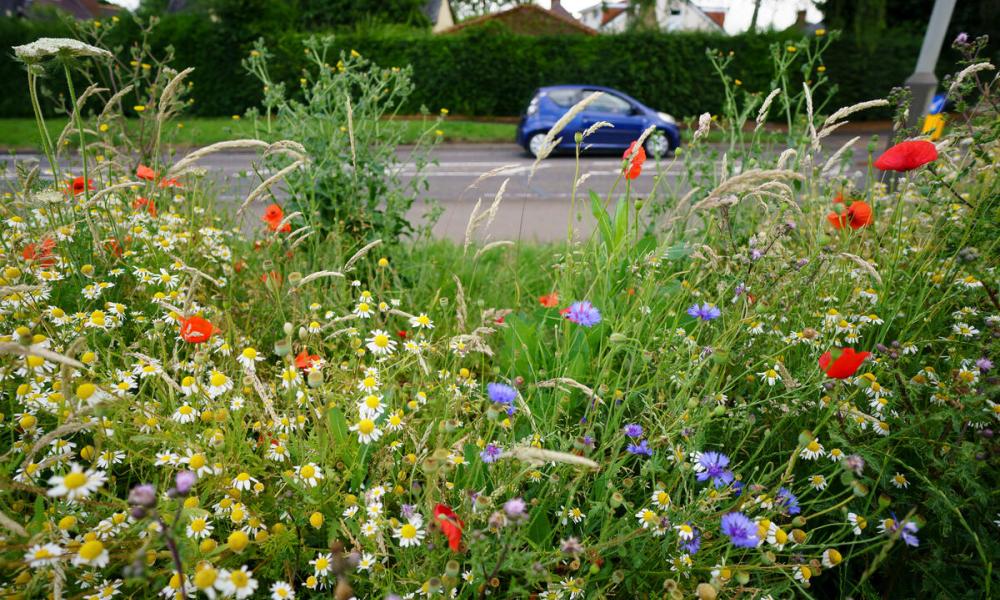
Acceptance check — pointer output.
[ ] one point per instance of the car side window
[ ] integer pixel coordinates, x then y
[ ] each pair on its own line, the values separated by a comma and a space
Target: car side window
564, 98
609, 103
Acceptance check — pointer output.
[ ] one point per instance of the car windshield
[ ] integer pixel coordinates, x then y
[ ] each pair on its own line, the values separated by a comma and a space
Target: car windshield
609, 103
564, 98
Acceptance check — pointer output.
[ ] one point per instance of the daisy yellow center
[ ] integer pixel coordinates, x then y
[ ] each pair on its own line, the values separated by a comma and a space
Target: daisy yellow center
74, 481
685, 529
381, 340
813, 446
366, 426
424, 320
363, 307
372, 402
197, 461
771, 373
91, 550
239, 579
97, 317
198, 525
35, 361
663, 498
369, 382
42, 553
806, 572
408, 532
185, 410
250, 353
780, 536
218, 379
205, 578
307, 471
650, 517
322, 564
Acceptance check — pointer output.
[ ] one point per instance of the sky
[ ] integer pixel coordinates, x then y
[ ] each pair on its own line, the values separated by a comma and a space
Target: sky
773, 13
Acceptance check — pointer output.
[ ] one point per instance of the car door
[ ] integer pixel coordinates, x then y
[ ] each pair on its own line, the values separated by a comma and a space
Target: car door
610, 107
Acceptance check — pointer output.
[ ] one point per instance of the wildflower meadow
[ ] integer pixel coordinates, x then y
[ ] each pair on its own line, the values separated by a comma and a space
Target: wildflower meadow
772, 377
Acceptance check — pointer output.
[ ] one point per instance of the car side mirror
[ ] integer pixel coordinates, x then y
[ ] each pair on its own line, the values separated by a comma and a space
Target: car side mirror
635, 111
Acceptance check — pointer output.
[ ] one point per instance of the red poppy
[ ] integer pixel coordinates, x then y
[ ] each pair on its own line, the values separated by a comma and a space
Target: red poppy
273, 276
857, 215
42, 253
906, 156
144, 172
273, 216
77, 187
451, 525
402, 334
304, 360
841, 363
172, 182
149, 205
549, 300
838, 199
113, 247
634, 168
499, 320
197, 330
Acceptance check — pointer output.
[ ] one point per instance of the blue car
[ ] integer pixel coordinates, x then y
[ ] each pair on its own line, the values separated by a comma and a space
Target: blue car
628, 116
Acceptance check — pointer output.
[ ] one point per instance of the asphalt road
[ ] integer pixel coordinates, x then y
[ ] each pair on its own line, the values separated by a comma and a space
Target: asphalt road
533, 207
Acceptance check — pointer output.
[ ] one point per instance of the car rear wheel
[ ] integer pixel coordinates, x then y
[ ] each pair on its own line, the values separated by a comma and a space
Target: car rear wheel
536, 143
657, 145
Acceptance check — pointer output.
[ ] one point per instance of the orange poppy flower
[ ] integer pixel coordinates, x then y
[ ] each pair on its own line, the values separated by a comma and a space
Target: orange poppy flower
171, 182
196, 330
906, 156
42, 253
633, 169
144, 172
857, 215
273, 215
451, 525
549, 300
304, 360
150, 205
844, 364
78, 187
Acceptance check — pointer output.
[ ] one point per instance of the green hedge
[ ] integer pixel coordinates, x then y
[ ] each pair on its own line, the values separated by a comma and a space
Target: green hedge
490, 72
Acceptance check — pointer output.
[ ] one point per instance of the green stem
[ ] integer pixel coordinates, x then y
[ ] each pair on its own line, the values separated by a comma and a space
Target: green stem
79, 128
43, 133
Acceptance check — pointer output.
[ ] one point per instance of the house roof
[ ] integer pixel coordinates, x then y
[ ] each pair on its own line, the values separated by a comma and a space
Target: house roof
528, 19
431, 9
611, 14
81, 9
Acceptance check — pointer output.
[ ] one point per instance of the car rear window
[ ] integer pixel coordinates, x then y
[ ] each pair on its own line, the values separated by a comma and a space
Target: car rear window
564, 98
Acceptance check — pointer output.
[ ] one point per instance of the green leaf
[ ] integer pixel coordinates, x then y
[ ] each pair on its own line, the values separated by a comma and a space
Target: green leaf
603, 221
621, 222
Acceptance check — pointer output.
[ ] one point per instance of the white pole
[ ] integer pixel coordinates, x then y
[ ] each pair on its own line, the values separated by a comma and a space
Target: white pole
923, 83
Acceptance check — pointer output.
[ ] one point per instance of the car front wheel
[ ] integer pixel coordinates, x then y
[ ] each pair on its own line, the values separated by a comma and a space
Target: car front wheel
536, 143
657, 145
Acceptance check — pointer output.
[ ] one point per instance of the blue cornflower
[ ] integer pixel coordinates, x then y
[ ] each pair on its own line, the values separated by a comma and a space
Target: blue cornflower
501, 393
742, 532
705, 312
491, 453
712, 465
633, 430
694, 544
788, 500
640, 449
908, 531
583, 313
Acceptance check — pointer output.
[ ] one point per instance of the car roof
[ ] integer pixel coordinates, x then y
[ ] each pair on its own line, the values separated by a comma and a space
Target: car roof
575, 86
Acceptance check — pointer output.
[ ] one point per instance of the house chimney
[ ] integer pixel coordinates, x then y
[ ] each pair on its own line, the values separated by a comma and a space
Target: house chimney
557, 7
800, 19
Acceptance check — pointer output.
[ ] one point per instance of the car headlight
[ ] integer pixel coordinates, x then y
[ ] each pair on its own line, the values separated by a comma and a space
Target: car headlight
666, 118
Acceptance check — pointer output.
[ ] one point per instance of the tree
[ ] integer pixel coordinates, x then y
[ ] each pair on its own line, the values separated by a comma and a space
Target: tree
465, 9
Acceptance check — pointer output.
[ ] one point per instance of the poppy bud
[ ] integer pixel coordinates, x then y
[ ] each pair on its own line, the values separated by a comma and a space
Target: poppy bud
616, 500
288, 328
742, 577
884, 501
705, 591
294, 277
315, 378
282, 348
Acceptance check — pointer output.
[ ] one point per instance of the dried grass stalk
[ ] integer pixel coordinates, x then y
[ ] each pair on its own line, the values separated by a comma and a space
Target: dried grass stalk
550, 142
185, 163
13, 348
540, 456
265, 185
359, 255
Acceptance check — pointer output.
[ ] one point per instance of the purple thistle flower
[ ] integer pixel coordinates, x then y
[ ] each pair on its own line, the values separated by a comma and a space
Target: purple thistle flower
501, 393
514, 508
742, 532
640, 449
185, 480
962, 38
788, 500
705, 312
694, 544
633, 430
491, 453
984, 364
712, 465
583, 313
